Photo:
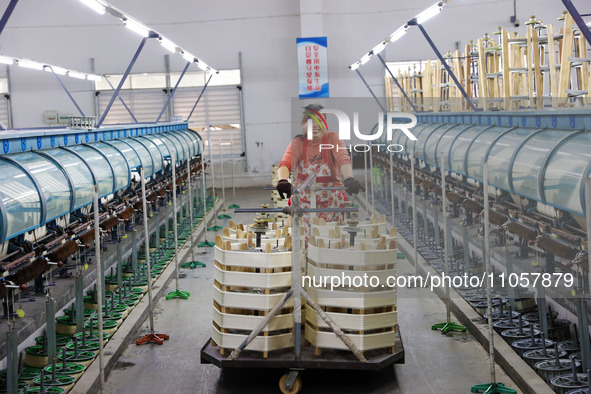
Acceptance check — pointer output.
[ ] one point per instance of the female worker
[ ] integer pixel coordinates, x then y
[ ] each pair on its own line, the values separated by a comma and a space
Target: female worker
305, 157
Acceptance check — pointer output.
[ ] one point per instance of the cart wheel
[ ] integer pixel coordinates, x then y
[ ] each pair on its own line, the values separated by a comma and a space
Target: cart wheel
297, 385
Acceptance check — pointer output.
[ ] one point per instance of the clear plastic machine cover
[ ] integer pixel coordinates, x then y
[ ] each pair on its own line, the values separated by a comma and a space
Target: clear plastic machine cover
100, 167
20, 199
79, 174
133, 160
53, 182
144, 155
180, 144
173, 145
54, 185
546, 165
500, 155
120, 167
527, 166
563, 181
154, 150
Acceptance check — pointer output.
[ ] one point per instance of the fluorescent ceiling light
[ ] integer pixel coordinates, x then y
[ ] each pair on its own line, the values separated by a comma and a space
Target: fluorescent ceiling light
401, 31
95, 5
103, 7
188, 56
354, 66
94, 77
137, 27
429, 13
167, 44
6, 60
379, 48
76, 74
56, 69
365, 58
29, 64
202, 65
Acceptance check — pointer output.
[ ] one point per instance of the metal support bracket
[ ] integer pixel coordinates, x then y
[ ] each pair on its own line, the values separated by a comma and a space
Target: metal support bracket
397, 83
7, 14
572, 10
171, 95
125, 75
199, 98
65, 89
121, 99
371, 91
444, 63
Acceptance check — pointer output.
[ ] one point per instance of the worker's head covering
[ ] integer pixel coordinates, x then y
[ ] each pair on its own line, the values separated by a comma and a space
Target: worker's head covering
312, 111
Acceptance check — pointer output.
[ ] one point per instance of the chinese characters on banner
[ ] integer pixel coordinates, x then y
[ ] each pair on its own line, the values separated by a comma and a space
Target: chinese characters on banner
312, 67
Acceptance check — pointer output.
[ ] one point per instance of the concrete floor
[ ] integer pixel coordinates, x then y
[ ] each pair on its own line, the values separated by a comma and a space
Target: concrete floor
434, 362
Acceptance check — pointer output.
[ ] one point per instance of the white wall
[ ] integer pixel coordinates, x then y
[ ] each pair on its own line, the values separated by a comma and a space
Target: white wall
66, 33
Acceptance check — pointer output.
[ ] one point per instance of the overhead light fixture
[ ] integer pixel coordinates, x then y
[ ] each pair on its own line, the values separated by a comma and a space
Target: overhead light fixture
76, 74
29, 64
355, 66
6, 60
188, 56
429, 13
136, 27
95, 5
103, 7
167, 44
401, 31
55, 69
94, 77
365, 58
379, 48
202, 65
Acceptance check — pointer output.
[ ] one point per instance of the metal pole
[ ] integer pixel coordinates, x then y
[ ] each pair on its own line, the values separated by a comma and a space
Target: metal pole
222, 174
171, 95
397, 83
365, 166
392, 186
147, 247
65, 89
170, 108
125, 75
296, 272
242, 122
190, 197
371, 91
445, 238
99, 285
414, 211
232, 155
121, 99
588, 222
174, 221
371, 180
491, 345
9, 99
199, 98
447, 68
215, 218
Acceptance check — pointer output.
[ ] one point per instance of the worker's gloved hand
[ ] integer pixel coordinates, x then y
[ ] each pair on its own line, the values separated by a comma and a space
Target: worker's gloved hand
284, 188
353, 186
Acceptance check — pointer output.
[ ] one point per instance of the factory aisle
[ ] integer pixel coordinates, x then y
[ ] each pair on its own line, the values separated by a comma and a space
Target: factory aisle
434, 362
